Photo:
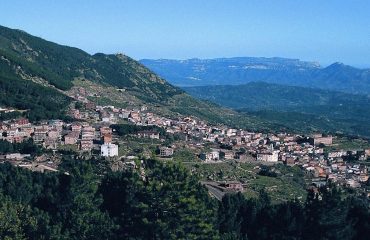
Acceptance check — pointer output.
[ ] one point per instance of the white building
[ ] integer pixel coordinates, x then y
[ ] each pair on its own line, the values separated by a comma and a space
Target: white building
268, 156
166, 152
109, 150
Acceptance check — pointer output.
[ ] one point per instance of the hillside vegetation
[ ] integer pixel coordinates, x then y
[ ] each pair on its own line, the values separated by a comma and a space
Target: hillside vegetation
161, 201
297, 107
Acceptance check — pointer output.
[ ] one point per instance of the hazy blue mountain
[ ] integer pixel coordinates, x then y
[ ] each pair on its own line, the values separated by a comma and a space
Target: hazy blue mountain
241, 70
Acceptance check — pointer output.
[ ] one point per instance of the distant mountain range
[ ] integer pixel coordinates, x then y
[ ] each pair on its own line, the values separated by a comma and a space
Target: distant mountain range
242, 70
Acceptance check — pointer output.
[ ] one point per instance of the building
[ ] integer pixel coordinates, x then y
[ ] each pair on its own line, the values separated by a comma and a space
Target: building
88, 133
22, 122
272, 156
165, 152
290, 161
71, 138
229, 155
214, 155
40, 135
76, 128
105, 130
318, 139
148, 134
235, 186
86, 145
107, 138
109, 150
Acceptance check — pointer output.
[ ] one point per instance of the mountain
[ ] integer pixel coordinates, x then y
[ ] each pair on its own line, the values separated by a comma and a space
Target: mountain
60, 65
39, 76
242, 70
298, 107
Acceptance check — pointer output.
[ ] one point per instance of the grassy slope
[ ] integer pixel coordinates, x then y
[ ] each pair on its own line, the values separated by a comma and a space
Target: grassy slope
288, 184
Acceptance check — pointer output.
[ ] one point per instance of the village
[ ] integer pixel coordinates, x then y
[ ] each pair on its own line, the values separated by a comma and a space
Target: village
91, 133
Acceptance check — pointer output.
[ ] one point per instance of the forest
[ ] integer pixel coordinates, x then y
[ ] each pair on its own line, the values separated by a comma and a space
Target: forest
36, 101
86, 200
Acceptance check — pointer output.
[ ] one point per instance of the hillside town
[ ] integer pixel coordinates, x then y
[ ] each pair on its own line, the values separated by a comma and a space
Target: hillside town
91, 133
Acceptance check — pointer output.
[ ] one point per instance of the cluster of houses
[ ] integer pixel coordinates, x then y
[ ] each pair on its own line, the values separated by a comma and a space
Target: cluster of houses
92, 133
56, 134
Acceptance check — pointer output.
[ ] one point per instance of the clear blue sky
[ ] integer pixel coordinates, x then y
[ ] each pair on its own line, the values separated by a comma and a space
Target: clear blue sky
321, 30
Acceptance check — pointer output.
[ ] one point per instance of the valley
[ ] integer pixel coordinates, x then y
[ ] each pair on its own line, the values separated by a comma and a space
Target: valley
297, 108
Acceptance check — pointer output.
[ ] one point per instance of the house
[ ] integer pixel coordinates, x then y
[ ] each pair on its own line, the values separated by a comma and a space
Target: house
75, 113
367, 152
148, 134
109, 150
54, 134
22, 122
135, 116
268, 156
39, 135
107, 138
86, 145
214, 155
235, 186
76, 128
336, 154
16, 156
71, 138
105, 130
51, 143
229, 155
165, 152
319, 139
290, 161
88, 133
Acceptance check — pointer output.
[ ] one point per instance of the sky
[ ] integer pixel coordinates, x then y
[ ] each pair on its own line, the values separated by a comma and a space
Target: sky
326, 31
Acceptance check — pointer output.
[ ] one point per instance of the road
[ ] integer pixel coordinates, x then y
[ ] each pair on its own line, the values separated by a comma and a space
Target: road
218, 194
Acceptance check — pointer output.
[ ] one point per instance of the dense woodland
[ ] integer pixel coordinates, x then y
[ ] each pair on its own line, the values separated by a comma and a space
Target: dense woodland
25, 147
85, 200
38, 101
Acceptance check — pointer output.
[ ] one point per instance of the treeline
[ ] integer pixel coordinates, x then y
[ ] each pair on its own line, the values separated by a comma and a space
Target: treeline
325, 215
25, 147
10, 115
125, 129
164, 202
86, 200
40, 102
